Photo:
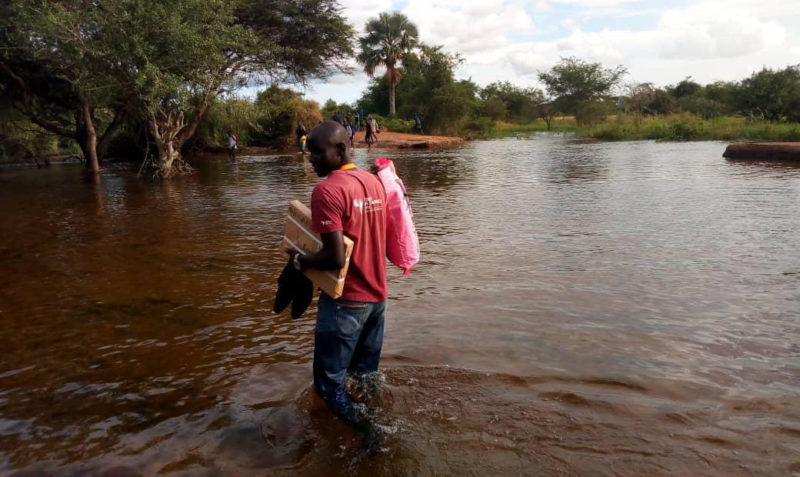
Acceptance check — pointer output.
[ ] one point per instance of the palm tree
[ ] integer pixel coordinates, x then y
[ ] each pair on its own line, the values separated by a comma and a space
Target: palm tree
387, 39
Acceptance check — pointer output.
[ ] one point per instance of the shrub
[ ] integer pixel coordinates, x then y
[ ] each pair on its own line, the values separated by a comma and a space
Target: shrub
478, 128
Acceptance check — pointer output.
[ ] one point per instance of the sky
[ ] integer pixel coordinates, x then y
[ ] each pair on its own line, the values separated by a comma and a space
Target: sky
661, 42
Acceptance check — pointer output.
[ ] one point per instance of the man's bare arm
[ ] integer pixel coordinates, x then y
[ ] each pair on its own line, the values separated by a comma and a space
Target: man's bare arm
329, 257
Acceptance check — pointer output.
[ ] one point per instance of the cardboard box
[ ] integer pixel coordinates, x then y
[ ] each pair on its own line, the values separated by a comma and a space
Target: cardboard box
298, 236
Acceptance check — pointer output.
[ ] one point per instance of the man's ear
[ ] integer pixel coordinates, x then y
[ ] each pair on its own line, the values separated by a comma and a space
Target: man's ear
341, 149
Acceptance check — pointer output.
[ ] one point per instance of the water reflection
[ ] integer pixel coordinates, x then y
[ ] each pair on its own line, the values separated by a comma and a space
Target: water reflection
437, 172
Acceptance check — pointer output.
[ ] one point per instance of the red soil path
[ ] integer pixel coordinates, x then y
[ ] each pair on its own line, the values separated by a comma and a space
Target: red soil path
397, 140
386, 140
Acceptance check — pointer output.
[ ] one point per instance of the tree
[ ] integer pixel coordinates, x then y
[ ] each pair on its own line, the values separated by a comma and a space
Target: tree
685, 88
577, 84
180, 55
771, 94
428, 88
494, 108
331, 107
520, 104
55, 71
548, 111
278, 111
175, 58
388, 38
647, 100
162, 61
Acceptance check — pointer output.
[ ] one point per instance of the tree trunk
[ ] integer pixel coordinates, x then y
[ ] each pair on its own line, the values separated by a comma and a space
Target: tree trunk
165, 130
392, 88
108, 134
88, 138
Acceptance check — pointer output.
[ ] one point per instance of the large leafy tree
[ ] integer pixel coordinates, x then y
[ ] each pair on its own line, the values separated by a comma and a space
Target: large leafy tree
429, 88
576, 84
55, 70
175, 57
388, 38
186, 53
503, 100
773, 95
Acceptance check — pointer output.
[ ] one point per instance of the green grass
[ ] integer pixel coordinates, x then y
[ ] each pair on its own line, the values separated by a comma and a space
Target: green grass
503, 129
395, 124
683, 127
686, 127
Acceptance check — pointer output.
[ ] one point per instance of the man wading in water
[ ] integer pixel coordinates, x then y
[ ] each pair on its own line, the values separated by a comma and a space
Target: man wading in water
349, 330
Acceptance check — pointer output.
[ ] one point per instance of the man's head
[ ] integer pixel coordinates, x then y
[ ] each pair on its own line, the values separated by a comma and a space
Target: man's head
327, 145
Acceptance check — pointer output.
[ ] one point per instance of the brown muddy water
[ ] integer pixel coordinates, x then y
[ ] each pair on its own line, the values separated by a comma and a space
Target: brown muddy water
580, 309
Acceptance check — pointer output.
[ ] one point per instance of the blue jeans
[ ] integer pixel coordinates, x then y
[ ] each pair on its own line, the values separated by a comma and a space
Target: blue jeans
348, 340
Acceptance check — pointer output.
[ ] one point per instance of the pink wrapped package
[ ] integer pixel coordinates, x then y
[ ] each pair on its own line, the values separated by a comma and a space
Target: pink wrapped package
402, 243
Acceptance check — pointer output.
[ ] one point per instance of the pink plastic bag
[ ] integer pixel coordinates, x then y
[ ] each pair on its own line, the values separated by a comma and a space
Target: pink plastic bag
402, 243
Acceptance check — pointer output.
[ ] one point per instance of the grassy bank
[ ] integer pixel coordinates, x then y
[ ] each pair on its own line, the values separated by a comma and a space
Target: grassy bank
683, 127
561, 124
686, 127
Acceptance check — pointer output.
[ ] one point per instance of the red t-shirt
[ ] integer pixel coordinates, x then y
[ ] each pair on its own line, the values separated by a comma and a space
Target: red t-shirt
354, 202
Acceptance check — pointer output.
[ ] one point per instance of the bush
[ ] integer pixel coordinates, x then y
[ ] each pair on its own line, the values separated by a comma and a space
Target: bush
394, 124
593, 112
478, 128
269, 121
704, 107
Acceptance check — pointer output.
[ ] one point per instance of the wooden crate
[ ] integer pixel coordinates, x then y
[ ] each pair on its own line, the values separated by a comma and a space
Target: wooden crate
298, 235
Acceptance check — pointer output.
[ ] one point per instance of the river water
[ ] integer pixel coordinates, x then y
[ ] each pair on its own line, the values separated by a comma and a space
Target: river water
579, 309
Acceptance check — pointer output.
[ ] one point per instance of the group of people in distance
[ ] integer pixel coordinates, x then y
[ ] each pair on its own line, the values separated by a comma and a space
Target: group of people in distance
351, 126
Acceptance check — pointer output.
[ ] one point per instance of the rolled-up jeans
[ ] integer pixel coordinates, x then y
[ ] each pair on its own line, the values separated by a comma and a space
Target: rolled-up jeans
347, 341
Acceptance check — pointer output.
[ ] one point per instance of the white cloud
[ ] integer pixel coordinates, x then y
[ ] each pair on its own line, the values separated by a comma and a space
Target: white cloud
468, 27
542, 6
595, 3
708, 30
707, 39
358, 12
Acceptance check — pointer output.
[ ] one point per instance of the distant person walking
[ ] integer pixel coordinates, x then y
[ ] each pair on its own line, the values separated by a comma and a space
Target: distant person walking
351, 131
417, 124
300, 132
375, 128
233, 144
369, 136
337, 117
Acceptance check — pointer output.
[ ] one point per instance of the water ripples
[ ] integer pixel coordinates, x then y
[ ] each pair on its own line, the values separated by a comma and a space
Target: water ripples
592, 299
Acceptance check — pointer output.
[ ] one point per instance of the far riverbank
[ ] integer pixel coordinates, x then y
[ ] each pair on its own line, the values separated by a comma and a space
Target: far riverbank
386, 140
677, 127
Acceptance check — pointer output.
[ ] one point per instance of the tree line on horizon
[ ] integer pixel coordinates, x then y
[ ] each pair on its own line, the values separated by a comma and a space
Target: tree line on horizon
119, 76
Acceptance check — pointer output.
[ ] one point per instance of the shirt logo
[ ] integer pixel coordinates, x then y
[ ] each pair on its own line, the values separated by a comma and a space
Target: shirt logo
368, 205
